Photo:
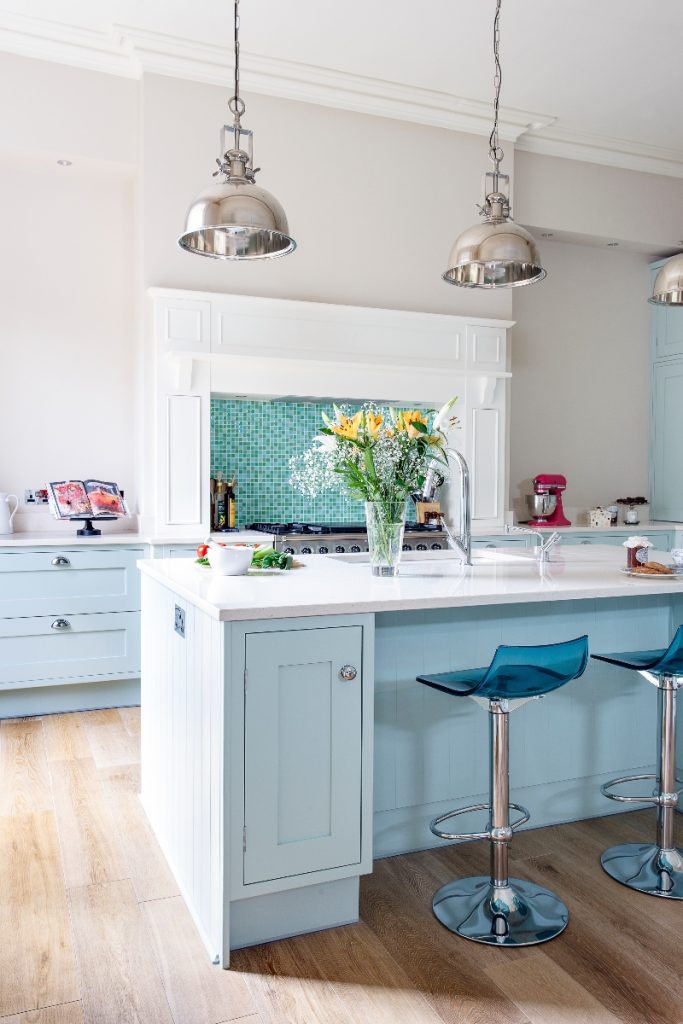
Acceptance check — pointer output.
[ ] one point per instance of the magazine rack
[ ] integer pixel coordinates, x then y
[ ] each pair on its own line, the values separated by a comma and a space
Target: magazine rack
89, 530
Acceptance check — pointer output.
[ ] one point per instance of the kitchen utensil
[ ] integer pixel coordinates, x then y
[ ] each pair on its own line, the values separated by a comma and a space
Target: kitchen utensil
7, 517
547, 512
229, 560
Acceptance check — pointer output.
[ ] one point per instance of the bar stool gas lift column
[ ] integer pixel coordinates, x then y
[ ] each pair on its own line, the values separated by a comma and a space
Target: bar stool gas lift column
653, 868
500, 910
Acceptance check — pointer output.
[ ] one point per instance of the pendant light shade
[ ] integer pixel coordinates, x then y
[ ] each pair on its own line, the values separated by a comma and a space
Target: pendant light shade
668, 286
496, 253
235, 219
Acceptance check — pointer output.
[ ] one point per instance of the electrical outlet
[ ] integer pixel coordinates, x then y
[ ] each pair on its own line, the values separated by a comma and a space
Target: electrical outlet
37, 497
179, 624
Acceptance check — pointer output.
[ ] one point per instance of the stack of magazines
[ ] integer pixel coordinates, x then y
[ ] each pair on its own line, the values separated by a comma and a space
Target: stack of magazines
86, 499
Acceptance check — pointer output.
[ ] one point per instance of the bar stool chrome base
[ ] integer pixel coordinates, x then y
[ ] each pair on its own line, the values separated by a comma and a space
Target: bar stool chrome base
518, 914
647, 868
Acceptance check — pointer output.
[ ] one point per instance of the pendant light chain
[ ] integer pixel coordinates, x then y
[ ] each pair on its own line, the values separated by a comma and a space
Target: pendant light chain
236, 104
495, 151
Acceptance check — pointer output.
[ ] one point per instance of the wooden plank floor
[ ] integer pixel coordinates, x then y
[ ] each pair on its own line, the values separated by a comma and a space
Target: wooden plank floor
93, 930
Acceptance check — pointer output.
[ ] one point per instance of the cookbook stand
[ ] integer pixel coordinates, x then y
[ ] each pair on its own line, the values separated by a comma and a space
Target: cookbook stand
89, 530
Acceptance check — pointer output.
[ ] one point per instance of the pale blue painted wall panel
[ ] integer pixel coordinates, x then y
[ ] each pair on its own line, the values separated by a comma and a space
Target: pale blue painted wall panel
432, 748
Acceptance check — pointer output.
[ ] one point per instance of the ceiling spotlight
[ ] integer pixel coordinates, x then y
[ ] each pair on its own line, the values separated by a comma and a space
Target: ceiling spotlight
65, 163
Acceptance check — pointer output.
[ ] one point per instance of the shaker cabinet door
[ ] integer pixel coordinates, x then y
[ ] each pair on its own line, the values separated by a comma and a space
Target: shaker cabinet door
667, 453
303, 721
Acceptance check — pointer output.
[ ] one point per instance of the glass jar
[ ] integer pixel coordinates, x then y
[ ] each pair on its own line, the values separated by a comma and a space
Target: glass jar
385, 523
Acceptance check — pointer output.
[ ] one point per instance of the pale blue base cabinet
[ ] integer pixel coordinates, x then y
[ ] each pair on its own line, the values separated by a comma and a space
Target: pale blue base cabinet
271, 774
69, 628
257, 744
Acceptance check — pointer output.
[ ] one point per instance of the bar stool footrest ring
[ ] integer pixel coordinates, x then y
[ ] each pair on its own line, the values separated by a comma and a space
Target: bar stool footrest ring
525, 815
624, 799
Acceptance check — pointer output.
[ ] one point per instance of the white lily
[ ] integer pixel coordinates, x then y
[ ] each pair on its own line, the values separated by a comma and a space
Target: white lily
442, 416
326, 441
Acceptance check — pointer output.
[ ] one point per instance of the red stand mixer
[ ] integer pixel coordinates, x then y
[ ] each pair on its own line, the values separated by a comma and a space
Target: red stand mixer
545, 504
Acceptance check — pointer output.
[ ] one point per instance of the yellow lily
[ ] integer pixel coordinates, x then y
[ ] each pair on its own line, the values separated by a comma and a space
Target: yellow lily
373, 422
348, 426
407, 418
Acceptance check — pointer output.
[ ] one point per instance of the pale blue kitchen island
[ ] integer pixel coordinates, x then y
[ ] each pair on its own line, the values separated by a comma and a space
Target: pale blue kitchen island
285, 742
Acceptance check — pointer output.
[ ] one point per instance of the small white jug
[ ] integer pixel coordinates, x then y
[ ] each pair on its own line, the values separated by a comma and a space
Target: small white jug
6, 516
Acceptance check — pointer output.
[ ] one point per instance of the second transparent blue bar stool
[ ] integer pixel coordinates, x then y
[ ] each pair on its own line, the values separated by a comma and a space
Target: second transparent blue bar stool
497, 909
654, 868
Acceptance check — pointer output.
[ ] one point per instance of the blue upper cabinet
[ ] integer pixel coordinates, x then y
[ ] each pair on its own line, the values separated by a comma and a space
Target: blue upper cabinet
666, 454
667, 325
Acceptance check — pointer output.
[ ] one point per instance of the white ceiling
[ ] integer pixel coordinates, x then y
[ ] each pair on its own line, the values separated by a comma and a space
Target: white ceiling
600, 78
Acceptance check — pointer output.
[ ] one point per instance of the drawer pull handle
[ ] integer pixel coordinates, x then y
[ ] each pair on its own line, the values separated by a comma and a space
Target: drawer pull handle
61, 560
61, 624
347, 673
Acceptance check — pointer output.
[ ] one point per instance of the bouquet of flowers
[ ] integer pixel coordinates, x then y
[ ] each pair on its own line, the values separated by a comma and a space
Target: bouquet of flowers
383, 456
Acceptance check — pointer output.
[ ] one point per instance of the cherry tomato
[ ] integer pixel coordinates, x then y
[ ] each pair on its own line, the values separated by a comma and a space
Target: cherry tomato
202, 550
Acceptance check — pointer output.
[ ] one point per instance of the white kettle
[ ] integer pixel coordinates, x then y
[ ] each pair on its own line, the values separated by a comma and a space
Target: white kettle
6, 516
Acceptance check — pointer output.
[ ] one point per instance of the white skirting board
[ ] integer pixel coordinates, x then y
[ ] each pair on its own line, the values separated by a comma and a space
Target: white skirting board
279, 915
54, 700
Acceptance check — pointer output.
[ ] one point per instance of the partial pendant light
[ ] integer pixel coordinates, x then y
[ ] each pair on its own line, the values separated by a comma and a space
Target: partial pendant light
235, 219
497, 253
668, 286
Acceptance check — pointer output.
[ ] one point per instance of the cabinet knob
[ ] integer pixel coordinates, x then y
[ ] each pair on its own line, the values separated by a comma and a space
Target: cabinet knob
60, 560
60, 624
347, 673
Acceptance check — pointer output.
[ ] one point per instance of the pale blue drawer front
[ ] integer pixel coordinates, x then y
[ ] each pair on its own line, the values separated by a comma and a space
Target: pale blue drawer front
33, 651
303, 726
661, 540
57, 581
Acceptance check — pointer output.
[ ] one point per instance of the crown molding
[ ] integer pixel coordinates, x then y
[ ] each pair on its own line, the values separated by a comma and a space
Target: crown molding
131, 52
598, 149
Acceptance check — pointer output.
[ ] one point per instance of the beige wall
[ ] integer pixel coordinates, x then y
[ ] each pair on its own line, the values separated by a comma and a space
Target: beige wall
580, 355
375, 205
68, 340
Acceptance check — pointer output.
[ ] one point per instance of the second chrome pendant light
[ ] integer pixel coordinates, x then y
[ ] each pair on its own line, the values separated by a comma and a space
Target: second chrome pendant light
235, 219
496, 253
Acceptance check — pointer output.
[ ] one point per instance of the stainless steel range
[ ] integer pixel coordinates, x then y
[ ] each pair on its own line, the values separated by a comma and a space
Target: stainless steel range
338, 538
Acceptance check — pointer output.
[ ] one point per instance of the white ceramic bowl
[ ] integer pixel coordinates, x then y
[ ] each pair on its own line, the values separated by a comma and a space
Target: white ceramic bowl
229, 560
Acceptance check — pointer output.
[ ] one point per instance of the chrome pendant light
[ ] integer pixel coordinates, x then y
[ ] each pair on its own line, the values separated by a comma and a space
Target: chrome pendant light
235, 219
496, 253
668, 286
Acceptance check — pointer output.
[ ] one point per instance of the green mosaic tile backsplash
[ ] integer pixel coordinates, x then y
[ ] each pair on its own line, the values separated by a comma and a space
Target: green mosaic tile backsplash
254, 440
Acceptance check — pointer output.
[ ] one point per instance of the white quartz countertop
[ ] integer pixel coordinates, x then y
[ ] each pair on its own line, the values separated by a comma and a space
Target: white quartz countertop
119, 538
338, 585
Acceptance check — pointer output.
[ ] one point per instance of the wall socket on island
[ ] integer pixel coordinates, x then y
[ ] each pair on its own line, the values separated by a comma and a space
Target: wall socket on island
37, 497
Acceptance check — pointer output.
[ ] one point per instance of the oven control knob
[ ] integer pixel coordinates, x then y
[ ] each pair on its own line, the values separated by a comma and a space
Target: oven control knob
322, 550
436, 547
288, 551
307, 551
340, 549
407, 547
421, 547
355, 548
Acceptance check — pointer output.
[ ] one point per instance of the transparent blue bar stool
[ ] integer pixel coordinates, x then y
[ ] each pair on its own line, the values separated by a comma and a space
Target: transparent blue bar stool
499, 910
654, 868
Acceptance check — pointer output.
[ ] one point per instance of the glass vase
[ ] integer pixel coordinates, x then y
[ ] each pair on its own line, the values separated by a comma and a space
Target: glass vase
386, 523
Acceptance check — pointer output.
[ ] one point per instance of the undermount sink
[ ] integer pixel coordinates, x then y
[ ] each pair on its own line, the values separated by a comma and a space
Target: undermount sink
436, 563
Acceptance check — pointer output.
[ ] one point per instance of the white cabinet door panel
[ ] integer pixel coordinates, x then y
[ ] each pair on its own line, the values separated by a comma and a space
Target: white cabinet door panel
303, 727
